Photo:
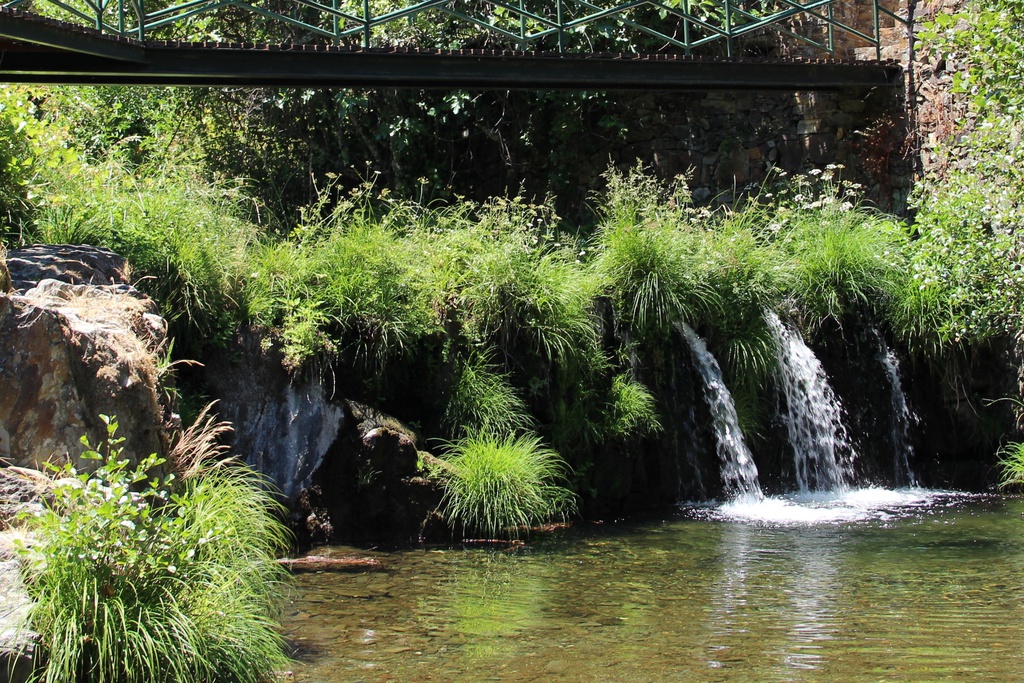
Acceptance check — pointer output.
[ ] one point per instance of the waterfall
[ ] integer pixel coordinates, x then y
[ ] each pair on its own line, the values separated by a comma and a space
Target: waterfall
739, 473
901, 416
822, 453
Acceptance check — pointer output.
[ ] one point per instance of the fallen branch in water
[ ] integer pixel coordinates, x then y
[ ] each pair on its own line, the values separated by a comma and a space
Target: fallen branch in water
322, 563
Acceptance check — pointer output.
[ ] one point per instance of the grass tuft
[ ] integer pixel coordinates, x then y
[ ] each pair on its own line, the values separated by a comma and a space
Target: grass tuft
483, 400
501, 485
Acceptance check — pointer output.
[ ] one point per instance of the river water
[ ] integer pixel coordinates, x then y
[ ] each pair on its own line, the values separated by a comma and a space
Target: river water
867, 585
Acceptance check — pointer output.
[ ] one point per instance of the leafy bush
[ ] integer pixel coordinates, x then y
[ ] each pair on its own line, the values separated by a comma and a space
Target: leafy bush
966, 261
966, 282
139, 577
501, 485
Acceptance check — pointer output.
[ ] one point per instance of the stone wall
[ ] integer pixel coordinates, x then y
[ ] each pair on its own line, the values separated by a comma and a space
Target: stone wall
938, 113
725, 141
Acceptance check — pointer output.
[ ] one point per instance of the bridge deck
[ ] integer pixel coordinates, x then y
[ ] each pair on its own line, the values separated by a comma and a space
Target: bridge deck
37, 50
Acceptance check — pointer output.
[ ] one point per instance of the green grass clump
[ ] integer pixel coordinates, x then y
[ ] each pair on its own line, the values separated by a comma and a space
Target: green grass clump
179, 232
524, 297
650, 273
1011, 464
500, 485
141, 578
845, 260
483, 400
632, 409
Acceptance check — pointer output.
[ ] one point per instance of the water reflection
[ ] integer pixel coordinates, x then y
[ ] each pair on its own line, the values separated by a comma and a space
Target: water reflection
902, 591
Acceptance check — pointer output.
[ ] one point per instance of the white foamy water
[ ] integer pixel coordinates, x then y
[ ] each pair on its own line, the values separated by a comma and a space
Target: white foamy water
826, 507
739, 473
902, 417
822, 453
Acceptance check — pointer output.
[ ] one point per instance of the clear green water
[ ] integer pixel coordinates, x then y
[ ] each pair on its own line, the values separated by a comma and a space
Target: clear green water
878, 586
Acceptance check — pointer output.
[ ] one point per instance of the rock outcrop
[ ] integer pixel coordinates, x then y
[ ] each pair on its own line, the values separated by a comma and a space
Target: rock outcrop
74, 350
345, 471
75, 265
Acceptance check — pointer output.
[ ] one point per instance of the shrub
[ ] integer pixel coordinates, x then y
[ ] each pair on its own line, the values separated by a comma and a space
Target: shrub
500, 485
139, 577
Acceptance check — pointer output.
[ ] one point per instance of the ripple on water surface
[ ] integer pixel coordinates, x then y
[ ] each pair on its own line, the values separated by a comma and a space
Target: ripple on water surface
869, 585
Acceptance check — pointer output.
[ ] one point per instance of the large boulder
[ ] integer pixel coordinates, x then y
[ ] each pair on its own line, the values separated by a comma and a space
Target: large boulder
73, 352
73, 264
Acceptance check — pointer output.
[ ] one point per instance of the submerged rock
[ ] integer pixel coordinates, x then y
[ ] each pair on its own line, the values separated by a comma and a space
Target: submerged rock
72, 352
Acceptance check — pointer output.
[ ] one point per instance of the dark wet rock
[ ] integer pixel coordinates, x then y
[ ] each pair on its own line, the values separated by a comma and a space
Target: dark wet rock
371, 486
345, 470
282, 427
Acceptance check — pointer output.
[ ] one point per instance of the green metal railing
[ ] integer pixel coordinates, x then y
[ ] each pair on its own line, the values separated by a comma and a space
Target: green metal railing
546, 25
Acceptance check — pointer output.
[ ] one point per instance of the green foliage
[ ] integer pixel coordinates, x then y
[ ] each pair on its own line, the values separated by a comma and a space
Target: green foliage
647, 256
483, 400
1011, 461
845, 258
966, 284
966, 263
521, 295
179, 233
29, 148
349, 275
500, 486
139, 577
987, 36
632, 409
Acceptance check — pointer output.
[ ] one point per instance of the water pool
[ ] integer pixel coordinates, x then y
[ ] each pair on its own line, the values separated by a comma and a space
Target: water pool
870, 585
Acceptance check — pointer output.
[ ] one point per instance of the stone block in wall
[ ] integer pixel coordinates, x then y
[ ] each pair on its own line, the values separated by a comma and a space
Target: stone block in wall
820, 148
808, 126
733, 166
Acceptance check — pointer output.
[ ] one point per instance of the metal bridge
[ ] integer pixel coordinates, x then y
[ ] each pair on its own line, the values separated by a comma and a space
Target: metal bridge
576, 44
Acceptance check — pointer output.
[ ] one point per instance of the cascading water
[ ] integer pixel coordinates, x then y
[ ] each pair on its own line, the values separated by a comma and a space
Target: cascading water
822, 452
739, 473
901, 416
